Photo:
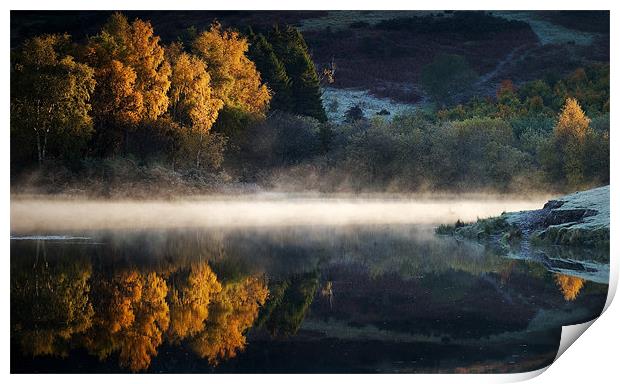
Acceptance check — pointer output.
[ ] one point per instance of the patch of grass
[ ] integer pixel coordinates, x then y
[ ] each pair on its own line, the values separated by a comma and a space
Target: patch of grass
572, 236
449, 229
482, 229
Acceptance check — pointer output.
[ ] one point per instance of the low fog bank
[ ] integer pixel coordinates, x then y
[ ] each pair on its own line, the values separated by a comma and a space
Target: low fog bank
53, 215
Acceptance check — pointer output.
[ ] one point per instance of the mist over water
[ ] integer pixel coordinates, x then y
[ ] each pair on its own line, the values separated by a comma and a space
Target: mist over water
30, 215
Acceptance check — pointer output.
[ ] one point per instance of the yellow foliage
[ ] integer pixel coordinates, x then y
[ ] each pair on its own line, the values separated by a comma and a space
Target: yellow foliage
132, 317
570, 134
189, 303
117, 97
137, 49
233, 311
569, 285
234, 77
191, 100
572, 122
147, 58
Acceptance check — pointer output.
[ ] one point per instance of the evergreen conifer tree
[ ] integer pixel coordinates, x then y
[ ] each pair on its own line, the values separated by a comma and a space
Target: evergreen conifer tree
290, 47
272, 71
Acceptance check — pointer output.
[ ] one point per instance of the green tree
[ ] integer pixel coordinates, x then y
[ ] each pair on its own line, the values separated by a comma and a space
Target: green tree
50, 95
291, 48
272, 70
291, 304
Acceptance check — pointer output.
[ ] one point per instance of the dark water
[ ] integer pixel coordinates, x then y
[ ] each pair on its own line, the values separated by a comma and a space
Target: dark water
293, 299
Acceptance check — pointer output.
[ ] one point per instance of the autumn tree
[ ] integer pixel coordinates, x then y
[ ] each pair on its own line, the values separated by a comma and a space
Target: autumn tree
508, 102
132, 75
569, 136
588, 85
290, 47
50, 96
193, 105
234, 77
570, 286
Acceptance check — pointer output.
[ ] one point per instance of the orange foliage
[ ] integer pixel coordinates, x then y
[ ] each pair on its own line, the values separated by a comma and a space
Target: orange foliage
572, 122
129, 53
117, 97
233, 312
505, 87
234, 77
132, 317
191, 100
569, 285
189, 303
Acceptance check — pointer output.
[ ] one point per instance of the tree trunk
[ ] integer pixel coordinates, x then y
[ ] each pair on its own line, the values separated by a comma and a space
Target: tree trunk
44, 146
199, 152
39, 156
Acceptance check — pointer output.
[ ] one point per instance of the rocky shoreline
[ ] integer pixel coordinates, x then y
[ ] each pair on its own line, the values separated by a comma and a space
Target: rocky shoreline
568, 235
580, 219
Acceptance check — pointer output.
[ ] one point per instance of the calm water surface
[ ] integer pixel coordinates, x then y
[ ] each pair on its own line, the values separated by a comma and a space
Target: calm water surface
308, 298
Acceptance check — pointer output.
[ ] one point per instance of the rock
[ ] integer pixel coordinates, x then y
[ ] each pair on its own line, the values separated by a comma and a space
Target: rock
579, 219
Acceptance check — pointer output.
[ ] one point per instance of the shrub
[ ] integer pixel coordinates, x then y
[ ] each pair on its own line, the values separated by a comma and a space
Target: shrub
447, 77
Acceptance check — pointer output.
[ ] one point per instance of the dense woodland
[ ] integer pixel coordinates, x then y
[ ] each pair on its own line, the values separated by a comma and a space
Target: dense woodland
221, 107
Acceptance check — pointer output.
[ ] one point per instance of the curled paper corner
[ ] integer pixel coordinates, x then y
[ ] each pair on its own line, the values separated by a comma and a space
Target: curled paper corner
524, 376
570, 333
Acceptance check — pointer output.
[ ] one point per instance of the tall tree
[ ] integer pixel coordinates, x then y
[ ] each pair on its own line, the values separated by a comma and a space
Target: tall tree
234, 77
272, 70
50, 302
569, 135
291, 48
192, 103
189, 296
132, 74
50, 94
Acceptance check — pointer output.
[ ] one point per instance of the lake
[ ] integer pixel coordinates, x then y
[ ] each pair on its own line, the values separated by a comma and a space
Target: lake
316, 287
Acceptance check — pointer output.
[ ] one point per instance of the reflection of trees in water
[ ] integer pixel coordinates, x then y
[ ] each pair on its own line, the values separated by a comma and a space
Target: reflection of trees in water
131, 315
49, 302
149, 292
190, 294
232, 312
130, 312
570, 286
289, 303
328, 292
